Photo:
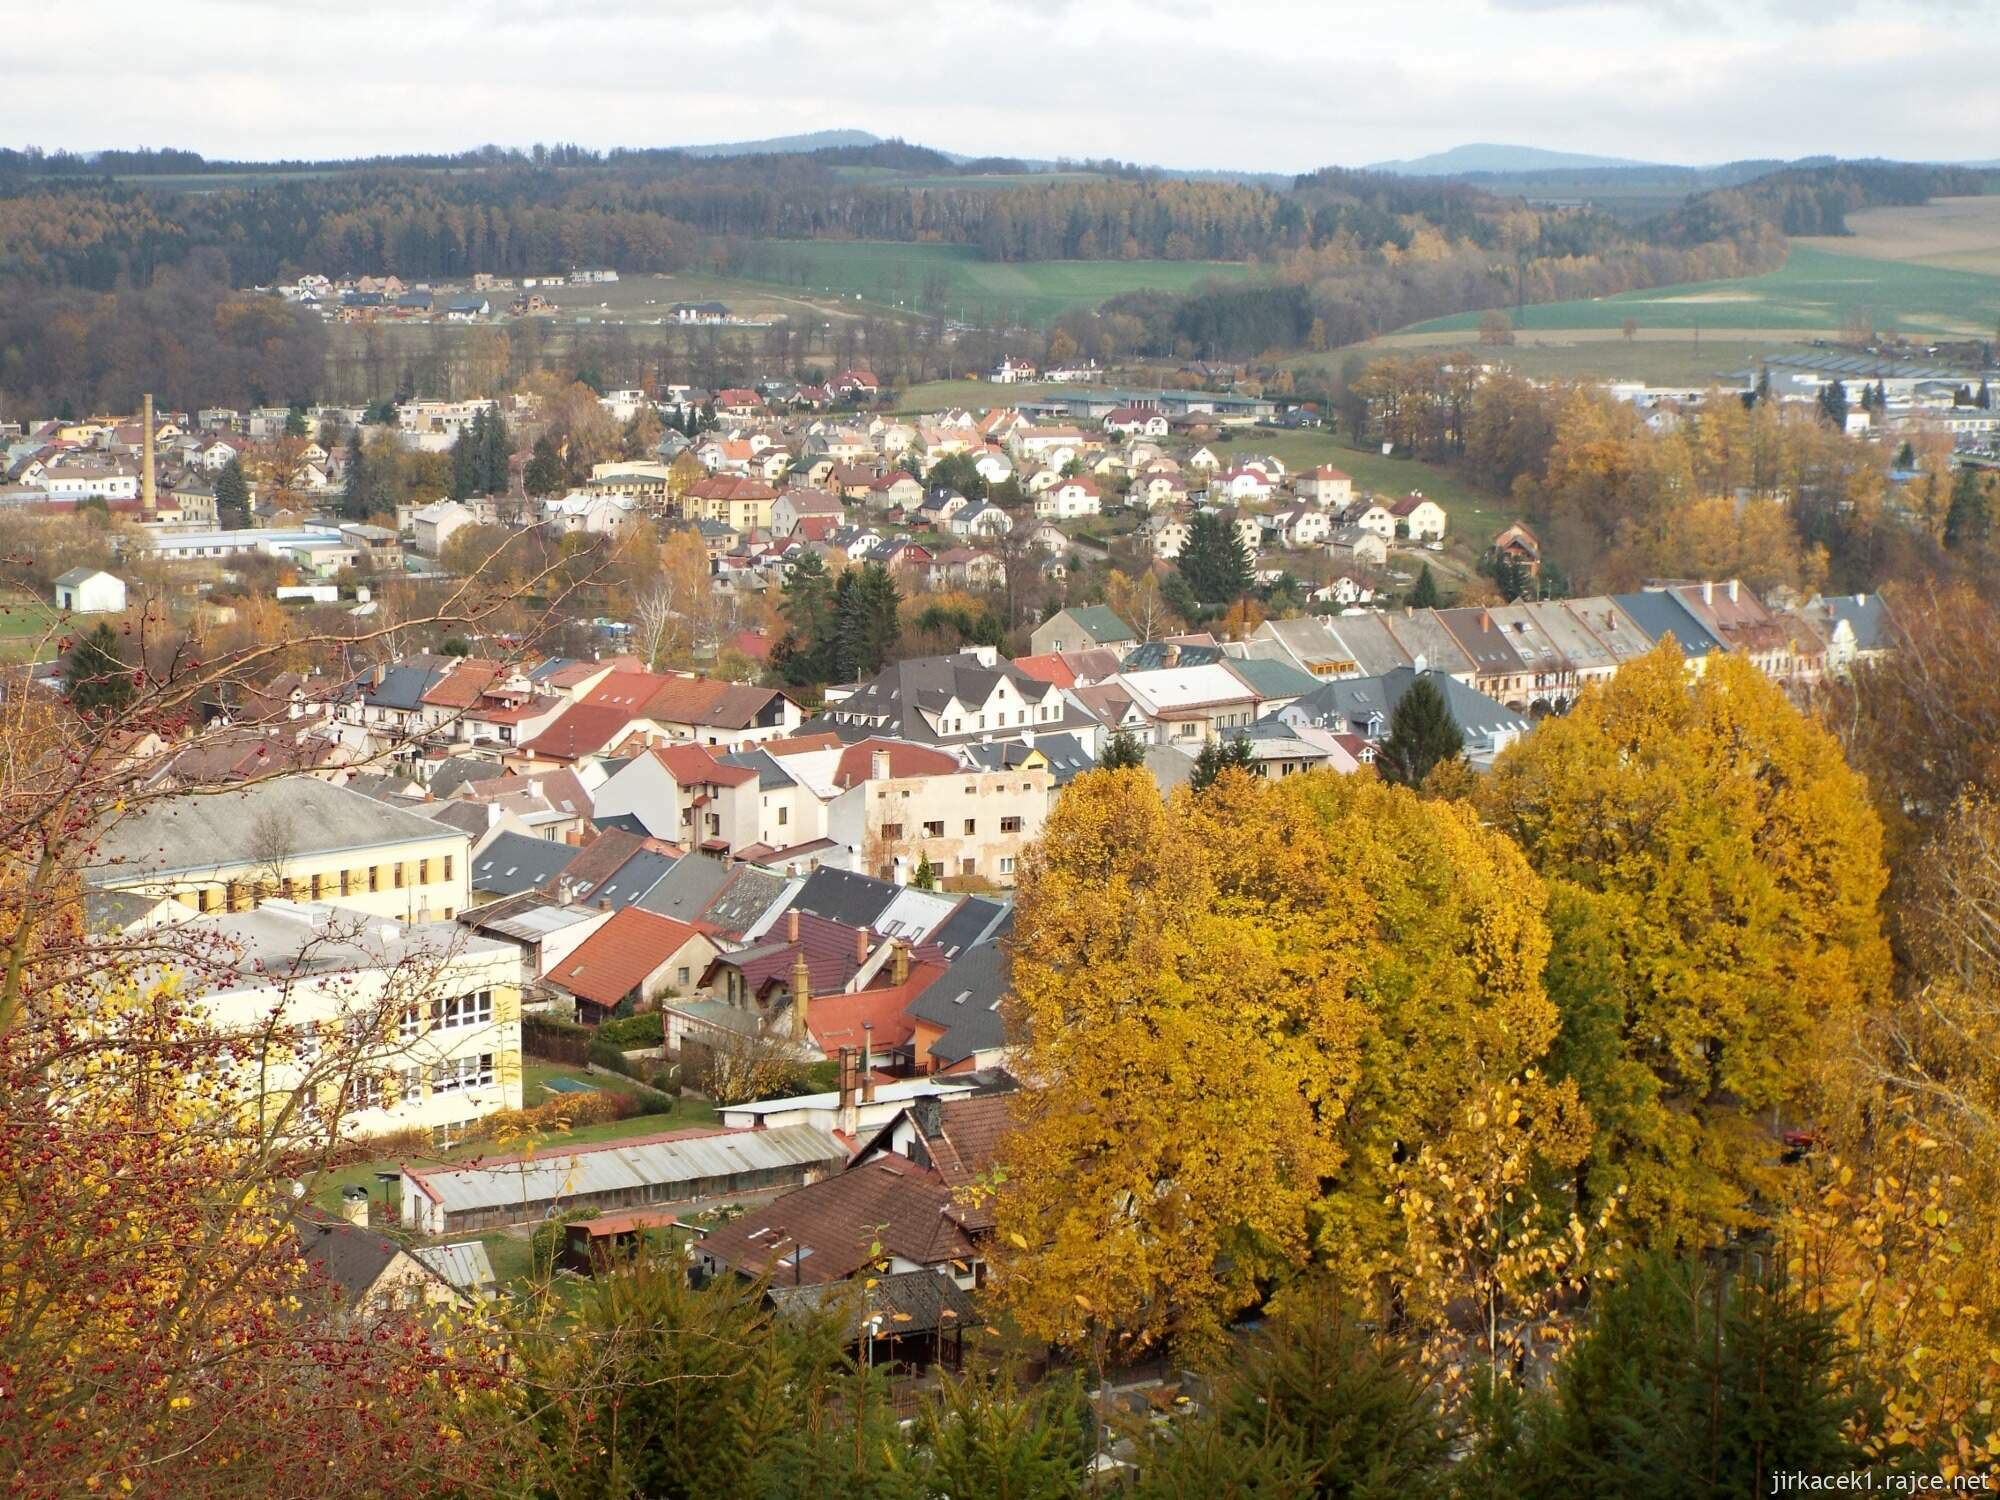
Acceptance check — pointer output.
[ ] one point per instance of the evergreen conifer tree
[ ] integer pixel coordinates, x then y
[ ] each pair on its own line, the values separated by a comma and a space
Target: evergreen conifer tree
1422, 733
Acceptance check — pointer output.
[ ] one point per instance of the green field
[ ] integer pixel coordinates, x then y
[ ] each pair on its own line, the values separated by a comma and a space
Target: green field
896, 275
1817, 291
1662, 357
25, 625
1473, 514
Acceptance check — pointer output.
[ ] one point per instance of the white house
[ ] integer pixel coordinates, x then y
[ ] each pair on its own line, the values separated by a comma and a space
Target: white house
90, 591
1244, 484
1069, 500
1371, 516
1326, 486
1170, 534
1421, 520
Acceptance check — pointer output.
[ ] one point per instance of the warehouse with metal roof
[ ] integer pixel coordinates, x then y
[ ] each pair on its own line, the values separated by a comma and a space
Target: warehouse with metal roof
679, 1167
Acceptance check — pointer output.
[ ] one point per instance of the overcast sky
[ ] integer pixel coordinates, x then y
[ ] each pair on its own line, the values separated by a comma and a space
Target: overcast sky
1268, 84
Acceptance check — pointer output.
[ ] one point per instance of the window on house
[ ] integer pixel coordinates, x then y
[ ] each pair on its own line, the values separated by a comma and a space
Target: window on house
447, 868
1010, 825
475, 1070
475, 1009
784, 816
971, 827
411, 1025
892, 830
1006, 864
399, 867
934, 830
362, 1091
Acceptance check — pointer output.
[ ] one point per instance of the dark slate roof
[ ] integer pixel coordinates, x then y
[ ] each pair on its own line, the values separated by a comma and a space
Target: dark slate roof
1660, 613
685, 891
905, 1301
467, 817
447, 778
631, 880
844, 896
403, 686
627, 822
965, 1001
1866, 614
1345, 704
351, 1257
889, 697
976, 920
1152, 656
514, 862
770, 773
748, 895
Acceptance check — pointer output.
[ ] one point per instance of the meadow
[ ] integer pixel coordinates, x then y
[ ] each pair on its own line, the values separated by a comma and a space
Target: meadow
895, 275
1816, 291
25, 628
1659, 356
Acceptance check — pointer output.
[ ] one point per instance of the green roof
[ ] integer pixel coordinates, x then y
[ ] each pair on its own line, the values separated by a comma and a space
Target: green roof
1104, 626
1273, 679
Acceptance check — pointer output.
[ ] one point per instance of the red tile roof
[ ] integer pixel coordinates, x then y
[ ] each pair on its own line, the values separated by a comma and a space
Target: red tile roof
905, 1208
582, 729
617, 958
465, 684
1047, 666
690, 765
857, 762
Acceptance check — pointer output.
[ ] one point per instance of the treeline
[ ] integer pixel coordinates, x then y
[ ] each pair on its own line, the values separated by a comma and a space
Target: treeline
1814, 200
186, 337
1770, 493
1329, 304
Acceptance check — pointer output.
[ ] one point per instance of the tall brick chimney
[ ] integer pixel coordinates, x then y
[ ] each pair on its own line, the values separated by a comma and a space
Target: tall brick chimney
149, 494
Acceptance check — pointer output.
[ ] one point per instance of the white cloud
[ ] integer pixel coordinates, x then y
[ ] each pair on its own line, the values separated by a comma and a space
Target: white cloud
1269, 84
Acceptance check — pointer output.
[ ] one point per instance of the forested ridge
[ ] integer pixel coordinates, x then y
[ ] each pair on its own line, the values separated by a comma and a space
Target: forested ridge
107, 282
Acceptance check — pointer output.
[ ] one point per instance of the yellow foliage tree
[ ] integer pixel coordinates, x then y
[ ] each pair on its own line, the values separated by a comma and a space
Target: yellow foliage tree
1238, 1011
1714, 871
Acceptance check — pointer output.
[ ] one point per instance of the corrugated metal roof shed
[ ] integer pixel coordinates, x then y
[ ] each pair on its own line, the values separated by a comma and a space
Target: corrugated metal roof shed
610, 1169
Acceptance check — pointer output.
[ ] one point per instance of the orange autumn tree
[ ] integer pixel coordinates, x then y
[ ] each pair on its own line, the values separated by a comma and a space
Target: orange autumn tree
162, 1327
1238, 1011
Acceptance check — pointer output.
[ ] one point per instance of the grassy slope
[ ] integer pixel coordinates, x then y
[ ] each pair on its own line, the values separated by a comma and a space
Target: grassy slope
1661, 357
25, 623
894, 274
1814, 291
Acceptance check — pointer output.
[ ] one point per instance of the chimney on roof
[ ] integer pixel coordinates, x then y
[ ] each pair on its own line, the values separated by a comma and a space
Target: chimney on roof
1485, 619
878, 765
149, 494
1734, 585
899, 963
844, 1119
792, 926
1172, 656
353, 1200
867, 1062
860, 945
1708, 591
801, 994
604, 903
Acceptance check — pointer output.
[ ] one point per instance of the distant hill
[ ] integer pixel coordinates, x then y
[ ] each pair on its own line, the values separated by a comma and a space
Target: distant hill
779, 145
1486, 157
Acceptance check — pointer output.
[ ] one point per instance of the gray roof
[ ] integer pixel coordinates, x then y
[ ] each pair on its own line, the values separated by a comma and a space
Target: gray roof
770, 773
459, 770
1065, 753
514, 862
351, 1257
1152, 656
749, 894
977, 920
1661, 613
586, 1171
1865, 614
403, 685
844, 896
901, 1303
685, 891
470, 818
201, 832
625, 885
465, 1265
965, 1000
1345, 705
